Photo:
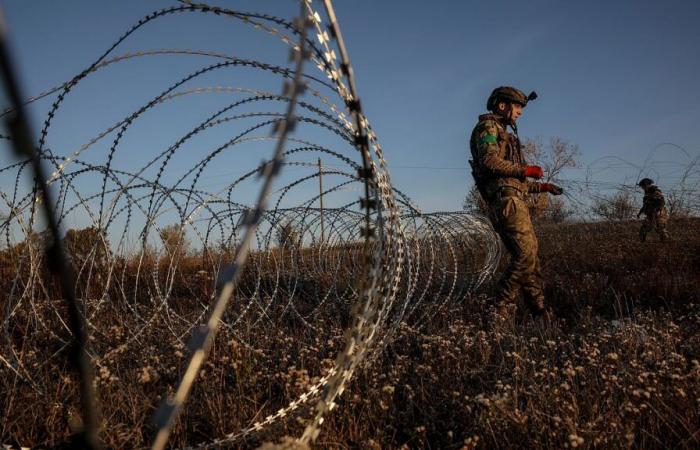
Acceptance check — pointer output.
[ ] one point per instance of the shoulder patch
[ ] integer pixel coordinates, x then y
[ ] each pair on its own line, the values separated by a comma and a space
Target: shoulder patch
487, 139
488, 132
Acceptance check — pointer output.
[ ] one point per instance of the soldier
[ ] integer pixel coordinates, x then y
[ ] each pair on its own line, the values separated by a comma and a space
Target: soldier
654, 209
500, 174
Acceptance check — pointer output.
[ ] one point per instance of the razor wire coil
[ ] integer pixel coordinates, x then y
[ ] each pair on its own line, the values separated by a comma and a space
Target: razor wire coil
131, 253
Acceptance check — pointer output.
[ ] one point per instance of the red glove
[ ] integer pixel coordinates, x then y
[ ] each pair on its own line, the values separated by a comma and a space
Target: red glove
534, 172
551, 188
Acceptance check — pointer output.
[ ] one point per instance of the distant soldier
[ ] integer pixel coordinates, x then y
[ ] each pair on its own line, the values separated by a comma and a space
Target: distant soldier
654, 210
500, 175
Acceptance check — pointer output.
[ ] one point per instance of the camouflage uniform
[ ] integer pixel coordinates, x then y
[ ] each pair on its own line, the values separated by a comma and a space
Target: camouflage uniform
498, 168
655, 213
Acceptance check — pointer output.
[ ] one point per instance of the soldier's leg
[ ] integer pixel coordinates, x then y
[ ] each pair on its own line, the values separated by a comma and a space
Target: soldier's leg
532, 288
661, 222
508, 288
519, 238
504, 303
530, 275
645, 228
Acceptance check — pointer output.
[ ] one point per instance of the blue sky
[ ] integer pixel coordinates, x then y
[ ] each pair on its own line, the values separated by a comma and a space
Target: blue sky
618, 78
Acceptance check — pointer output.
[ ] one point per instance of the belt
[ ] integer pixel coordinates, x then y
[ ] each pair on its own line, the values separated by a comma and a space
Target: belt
507, 191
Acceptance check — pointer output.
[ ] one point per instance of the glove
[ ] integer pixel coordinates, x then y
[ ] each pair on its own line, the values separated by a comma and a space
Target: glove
551, 188
533, 172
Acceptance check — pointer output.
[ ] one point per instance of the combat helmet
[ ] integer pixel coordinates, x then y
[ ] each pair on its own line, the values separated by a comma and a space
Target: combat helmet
509, 94
644, 182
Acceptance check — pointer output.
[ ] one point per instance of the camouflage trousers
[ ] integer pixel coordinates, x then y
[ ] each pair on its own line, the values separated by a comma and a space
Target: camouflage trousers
511, 219
654, 220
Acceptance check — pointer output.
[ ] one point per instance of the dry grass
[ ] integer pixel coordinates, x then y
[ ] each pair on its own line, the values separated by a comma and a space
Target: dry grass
617, 369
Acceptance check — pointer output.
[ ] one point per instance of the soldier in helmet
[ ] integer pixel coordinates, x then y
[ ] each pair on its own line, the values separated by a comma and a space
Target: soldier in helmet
501, 176
654, 210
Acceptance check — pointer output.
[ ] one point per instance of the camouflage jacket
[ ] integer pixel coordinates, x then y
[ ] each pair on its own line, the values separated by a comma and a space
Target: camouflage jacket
497, 160
653, 200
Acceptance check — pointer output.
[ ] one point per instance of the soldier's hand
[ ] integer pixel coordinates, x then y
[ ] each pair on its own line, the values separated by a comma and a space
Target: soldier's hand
533, 172
551, 188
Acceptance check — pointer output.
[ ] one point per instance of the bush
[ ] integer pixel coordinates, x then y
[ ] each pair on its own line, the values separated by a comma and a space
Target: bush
174, 240
620, 206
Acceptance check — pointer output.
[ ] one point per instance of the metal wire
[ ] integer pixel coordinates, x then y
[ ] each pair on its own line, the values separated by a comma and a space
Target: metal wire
22, 139
256, 229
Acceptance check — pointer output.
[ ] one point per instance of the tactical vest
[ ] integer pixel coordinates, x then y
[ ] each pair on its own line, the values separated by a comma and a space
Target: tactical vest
509, 147
653, 200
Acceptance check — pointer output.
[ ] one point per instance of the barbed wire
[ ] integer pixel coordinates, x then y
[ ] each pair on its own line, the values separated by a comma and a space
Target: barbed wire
282, 257
160, 245
21, 135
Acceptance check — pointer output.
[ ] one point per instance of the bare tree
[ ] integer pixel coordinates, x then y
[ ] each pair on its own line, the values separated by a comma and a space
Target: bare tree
288, 236
174, 240
87, 243
560, 155
557, 210
556, 156
682, 200
677, 204
617, 207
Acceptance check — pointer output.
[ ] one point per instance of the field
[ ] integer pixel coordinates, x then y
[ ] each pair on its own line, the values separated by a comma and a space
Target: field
617, 368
